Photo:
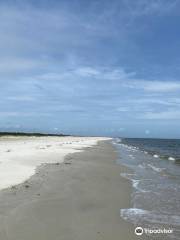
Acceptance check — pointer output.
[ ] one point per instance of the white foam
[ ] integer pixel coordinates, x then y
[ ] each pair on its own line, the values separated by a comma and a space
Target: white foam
128, 148
137, 215
155, 156
156, 169
142, 166
171, 159
127, 175
135, 183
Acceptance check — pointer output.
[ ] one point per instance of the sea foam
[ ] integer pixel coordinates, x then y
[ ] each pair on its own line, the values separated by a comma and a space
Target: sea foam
137, 215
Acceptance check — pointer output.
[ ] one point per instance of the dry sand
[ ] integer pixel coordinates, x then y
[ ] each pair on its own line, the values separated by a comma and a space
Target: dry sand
79, 199
20, 156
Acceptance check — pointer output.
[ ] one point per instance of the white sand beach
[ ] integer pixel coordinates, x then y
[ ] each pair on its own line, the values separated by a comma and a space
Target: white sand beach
20, 156
77, 199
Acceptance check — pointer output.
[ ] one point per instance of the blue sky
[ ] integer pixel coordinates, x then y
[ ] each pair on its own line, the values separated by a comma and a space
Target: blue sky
91, 67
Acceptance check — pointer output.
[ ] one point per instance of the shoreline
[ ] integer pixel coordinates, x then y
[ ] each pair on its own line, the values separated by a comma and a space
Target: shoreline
75, 200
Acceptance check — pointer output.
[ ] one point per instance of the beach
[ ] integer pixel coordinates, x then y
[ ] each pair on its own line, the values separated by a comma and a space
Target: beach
78, 198
20, 156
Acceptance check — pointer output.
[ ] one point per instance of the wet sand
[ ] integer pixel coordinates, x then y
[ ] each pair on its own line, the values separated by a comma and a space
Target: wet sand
79, 199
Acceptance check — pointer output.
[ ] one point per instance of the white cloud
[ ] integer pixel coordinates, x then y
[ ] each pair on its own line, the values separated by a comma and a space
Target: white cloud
161, 101
153, 85
161, 86
21, 98
87, 71
7, 114
128, 79
123, 109
14, 64
117, 74
146, 7
166, 115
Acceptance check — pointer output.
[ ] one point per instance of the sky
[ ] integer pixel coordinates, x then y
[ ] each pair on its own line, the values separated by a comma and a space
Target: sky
107, 68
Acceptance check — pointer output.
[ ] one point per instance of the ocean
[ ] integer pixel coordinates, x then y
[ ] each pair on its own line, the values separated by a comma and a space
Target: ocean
155, 177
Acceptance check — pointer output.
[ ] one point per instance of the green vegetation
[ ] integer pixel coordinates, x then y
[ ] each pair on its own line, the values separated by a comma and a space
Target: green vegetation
35, 134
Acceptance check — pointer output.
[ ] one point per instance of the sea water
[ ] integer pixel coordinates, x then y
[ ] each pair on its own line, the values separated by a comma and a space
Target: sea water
155, 177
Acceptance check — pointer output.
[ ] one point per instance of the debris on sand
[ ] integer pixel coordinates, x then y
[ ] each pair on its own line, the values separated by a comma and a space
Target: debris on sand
67, 163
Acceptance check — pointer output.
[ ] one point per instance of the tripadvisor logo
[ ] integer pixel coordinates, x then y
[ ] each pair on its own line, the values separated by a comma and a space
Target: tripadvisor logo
139, 231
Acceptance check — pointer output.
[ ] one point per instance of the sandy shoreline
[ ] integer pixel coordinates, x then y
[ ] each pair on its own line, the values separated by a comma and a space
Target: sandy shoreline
20, 156
79, 199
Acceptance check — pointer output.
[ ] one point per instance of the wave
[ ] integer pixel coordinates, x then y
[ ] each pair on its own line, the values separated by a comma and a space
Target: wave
156, 169
137, 215
127, 175
151, 153
135, 182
